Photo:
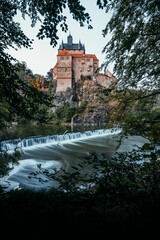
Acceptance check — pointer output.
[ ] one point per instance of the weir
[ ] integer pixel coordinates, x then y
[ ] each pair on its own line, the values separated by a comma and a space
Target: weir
55, 139
66, 151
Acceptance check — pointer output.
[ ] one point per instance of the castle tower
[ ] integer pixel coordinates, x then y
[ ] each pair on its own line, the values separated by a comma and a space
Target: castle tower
69, 40
72, 64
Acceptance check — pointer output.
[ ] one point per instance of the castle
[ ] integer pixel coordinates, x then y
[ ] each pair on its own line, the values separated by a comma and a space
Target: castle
74, 64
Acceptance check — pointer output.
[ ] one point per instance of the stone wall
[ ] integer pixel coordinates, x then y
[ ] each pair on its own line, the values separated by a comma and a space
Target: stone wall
82, 67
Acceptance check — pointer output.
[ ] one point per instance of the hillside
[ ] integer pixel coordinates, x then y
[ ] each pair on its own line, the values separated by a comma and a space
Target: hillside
91, 104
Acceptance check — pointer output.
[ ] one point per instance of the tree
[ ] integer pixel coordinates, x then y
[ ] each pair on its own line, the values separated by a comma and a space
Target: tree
49, 76
134, 46
49, 13
15, 91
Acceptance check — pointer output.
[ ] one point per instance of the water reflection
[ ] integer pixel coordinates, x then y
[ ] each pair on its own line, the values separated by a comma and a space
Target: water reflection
31, 129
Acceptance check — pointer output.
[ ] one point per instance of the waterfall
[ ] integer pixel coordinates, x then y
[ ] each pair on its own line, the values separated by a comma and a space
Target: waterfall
55, 139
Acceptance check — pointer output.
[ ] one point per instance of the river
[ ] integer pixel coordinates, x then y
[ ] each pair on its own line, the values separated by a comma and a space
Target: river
61, 151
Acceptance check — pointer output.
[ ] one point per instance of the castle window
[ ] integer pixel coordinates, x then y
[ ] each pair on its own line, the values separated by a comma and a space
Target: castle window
83, 60
67, 58
62, 58
88, 59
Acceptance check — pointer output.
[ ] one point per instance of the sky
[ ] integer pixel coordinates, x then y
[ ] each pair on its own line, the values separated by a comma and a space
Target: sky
43, 56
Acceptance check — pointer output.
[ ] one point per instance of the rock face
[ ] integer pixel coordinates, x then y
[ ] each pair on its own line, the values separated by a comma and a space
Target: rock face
95, 112
89, 98
96, 117
96, 105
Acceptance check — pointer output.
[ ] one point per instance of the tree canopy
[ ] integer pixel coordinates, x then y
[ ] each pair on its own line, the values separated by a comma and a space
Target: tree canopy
49, 13
134, 46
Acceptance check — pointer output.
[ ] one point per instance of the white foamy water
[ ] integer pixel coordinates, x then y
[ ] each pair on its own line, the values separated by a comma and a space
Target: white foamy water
33, 142
28, 174
66, 151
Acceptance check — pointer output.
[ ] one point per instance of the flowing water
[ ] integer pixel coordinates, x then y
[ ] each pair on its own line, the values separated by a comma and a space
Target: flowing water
55, 152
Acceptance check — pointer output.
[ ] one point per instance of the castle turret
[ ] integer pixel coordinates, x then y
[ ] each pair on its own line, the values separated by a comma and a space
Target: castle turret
69, 40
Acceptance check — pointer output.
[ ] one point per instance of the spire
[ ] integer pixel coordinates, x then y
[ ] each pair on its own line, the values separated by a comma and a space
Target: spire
79, 44
69, 40
61, 45
83, 47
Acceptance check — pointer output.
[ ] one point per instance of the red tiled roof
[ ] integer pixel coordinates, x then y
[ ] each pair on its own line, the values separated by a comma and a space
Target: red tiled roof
65, 52
85, 56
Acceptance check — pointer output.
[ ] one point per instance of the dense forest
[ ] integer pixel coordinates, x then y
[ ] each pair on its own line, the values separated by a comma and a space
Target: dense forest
125, 197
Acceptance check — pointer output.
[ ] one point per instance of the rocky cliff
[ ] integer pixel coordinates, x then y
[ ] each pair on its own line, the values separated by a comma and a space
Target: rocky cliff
95, 104
90, 100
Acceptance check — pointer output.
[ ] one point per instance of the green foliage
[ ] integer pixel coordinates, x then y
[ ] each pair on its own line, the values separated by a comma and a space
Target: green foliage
19, 97
49, 75
49, 13
64, 112
82, 107
5, 116
145, 122
135, 40
7, 160
43, 114
137, 111
101, 96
